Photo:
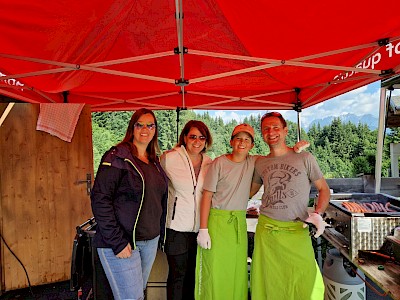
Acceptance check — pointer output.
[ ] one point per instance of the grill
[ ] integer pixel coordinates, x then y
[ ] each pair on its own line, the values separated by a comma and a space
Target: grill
364, 229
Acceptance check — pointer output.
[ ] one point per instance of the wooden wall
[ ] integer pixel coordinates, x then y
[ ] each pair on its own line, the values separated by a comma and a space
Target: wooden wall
40, 202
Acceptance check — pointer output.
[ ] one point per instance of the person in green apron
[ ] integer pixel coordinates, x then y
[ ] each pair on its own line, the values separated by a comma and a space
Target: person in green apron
283, 264
221, 266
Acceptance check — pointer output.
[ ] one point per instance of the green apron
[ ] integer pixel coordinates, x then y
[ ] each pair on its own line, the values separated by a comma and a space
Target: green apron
283, 265
221, 272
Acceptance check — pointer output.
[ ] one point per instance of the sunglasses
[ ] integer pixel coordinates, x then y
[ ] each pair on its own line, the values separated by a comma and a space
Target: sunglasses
195, 137
150, 126
273, 114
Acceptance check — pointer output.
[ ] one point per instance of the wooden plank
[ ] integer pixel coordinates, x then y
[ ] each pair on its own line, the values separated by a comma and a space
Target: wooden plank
388, 279
7, 190
40, 203
77, 168
17, 223
391, 186
44, 202
28, 221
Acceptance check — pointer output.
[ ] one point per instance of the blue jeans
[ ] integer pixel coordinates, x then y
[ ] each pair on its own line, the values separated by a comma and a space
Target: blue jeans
128, 276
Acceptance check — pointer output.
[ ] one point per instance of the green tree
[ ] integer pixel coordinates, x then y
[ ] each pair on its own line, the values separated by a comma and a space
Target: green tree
341, 149
103, 139
166, 120
364, 164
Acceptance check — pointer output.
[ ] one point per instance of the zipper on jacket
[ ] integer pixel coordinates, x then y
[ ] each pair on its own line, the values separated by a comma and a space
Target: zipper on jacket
195, 211
173, 211
166, 214
141, 204
194, 182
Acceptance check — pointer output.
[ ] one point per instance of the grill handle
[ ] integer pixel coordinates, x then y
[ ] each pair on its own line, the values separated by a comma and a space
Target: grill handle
381, 214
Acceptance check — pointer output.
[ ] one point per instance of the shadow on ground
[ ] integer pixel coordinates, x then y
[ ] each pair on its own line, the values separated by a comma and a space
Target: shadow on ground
61, 291
53, 291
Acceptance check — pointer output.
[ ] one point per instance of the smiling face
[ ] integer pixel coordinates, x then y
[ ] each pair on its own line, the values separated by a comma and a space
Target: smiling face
144, 130
273, 132
241, 143
194, 141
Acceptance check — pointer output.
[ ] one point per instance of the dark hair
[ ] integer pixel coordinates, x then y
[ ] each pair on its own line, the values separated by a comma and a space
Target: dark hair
273, 114
201, 127
152, 148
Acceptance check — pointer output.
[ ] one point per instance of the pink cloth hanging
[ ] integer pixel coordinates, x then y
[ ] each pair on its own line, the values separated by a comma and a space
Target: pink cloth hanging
59, 119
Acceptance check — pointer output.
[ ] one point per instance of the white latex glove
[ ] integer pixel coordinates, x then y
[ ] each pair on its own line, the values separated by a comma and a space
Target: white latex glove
203, 239
300, 146
319, 223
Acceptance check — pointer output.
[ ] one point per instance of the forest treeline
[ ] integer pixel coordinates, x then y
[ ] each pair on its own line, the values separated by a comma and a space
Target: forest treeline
343, 150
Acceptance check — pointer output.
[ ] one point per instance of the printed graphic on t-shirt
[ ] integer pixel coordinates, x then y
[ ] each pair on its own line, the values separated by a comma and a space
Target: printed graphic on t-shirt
280, 185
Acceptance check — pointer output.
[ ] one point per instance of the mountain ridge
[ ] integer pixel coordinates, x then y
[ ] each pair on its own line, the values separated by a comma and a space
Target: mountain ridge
368, 119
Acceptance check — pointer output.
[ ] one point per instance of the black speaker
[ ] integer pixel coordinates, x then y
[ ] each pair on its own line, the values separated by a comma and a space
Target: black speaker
87, 274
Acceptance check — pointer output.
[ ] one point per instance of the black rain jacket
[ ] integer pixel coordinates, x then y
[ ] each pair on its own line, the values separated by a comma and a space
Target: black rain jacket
117, 198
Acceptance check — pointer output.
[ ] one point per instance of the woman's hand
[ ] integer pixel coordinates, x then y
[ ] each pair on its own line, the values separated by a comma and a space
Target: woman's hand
300, 146
126, 252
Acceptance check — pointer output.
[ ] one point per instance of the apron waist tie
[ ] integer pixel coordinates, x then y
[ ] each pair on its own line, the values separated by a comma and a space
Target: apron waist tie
234, 218
272, 228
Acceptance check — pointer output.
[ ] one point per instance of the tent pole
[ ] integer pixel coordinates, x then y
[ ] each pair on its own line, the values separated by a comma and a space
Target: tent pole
297, 107
180, 50
178, 109
379, 149
65, 96
298, 126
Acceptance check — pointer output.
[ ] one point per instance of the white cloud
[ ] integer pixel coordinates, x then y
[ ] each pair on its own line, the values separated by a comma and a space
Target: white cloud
228, 115
357, 91
361, 101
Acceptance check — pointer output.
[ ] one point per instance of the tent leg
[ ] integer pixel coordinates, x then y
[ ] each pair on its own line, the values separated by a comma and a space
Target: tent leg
379, 149
178, 110
298, 126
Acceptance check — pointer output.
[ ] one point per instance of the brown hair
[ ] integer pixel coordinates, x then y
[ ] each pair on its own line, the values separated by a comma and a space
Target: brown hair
152, 148
273, 114
201, 127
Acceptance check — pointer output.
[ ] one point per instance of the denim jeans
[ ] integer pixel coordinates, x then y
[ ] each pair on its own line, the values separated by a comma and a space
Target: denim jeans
128, 276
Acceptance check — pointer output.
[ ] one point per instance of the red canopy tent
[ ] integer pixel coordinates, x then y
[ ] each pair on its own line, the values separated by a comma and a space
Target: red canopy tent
195, 54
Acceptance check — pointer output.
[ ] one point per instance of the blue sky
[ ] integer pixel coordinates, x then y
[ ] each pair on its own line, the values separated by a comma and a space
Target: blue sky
361, 101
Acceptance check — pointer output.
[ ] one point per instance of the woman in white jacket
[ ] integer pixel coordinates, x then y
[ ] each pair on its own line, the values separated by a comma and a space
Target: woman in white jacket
186, 166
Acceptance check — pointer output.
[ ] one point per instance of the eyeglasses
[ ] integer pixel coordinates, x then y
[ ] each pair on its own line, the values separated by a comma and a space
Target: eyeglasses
195, 137
150, 126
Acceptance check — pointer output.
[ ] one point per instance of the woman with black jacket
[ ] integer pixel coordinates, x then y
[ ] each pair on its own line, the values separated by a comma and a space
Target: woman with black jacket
129, 202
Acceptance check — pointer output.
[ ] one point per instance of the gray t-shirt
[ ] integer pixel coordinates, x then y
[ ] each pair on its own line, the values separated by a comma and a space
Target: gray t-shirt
230, 181
287, 182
